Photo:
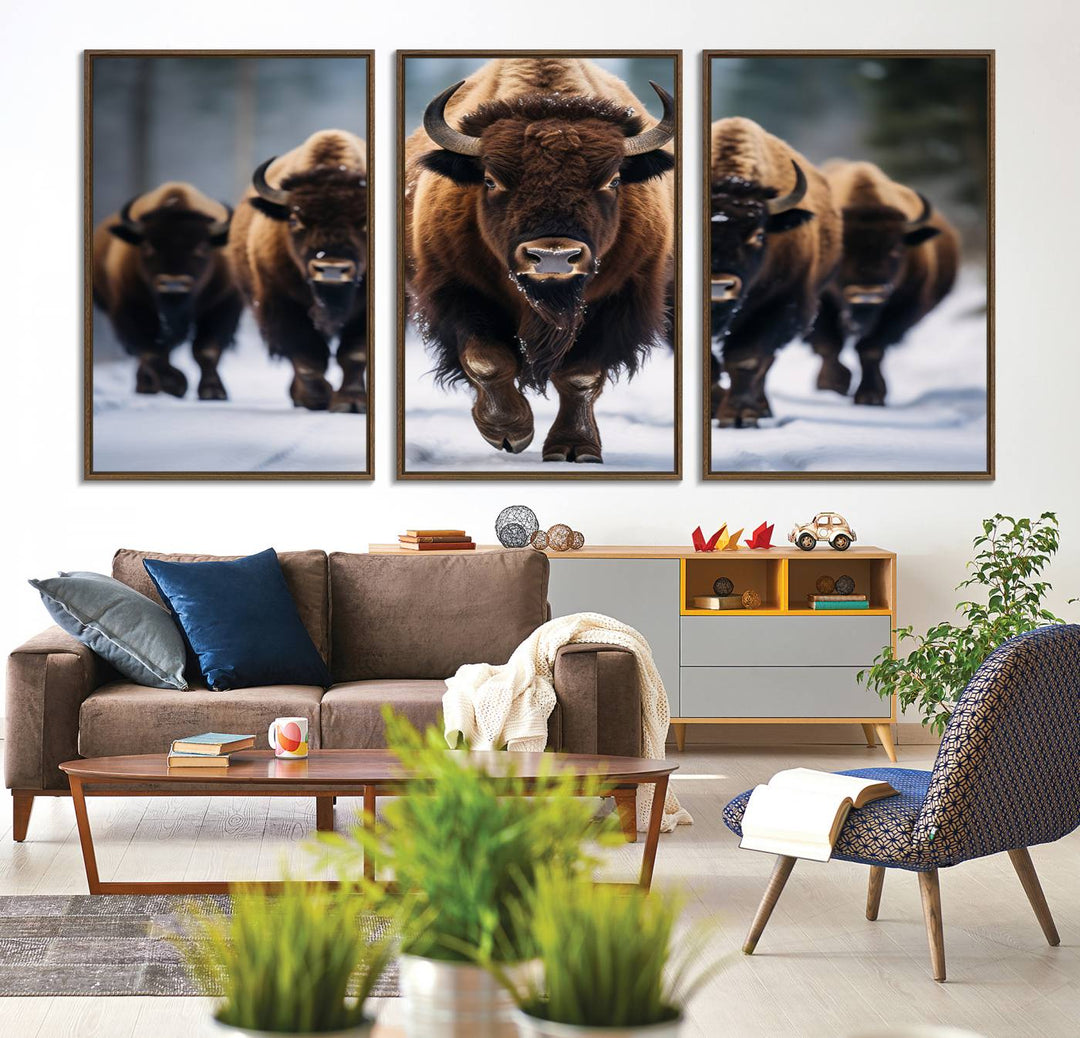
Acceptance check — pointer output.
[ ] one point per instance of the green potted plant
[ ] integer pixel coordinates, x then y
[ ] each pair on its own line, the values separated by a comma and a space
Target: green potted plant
298, 962
607, 966
465, 849
1010, 557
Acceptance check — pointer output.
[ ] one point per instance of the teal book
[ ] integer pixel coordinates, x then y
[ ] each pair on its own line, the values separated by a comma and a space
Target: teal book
841, 605
211, 744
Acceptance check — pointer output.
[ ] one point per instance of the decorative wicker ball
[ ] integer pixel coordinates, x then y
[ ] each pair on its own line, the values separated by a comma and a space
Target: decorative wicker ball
751, 599
539, 540
845, 585
825, 585
560, 537
577, 542
515, 526
723, 586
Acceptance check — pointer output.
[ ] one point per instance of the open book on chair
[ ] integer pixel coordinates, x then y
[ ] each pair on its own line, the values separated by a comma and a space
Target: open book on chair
800, 812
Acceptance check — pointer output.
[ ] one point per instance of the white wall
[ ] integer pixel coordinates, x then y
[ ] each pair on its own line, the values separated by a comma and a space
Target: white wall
56, 521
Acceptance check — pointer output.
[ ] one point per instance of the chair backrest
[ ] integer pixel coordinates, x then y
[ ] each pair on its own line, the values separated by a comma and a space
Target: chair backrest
1007, 774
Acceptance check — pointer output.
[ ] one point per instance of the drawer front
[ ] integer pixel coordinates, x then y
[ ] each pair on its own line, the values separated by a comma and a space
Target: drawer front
778, 692
782, 641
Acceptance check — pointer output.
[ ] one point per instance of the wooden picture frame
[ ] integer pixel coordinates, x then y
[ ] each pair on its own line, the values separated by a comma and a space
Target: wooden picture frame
305, 431
561, 470
979, 469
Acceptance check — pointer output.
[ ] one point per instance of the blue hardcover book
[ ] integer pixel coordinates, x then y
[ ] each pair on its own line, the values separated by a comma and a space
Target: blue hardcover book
212, 744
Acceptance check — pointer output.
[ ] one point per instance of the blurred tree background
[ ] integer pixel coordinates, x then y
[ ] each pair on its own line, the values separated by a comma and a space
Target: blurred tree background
924, 121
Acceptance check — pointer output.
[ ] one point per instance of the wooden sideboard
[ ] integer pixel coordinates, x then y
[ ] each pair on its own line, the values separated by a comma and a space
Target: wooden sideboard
781, 663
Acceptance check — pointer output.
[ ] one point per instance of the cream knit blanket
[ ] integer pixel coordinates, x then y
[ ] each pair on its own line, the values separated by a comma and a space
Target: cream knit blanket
510, 705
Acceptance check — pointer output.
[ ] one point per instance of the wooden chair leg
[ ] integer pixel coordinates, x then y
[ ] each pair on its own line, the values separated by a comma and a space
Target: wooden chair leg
22, 804
884, 732
873, 892
871, 739
1025, 869
680, 736
781, 871
626, 806
931, 906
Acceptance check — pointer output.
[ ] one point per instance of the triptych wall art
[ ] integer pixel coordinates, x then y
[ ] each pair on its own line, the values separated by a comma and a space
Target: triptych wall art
845, 290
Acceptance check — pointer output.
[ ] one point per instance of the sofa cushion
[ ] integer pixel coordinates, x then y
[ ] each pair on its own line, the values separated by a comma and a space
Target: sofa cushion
352, 712
398, 616
304, 571
122, 718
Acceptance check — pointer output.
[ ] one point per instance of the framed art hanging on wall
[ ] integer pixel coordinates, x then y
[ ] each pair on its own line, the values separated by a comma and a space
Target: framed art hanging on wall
848, 265
228, 205
539, 269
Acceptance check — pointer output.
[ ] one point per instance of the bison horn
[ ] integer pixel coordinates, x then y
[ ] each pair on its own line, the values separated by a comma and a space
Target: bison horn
125, 216
221, 226
660, 134
923, 217
444, 135
793, 197
263, 189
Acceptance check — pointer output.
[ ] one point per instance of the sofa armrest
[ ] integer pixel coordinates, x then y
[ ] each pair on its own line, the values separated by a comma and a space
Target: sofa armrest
47, 680
599, 698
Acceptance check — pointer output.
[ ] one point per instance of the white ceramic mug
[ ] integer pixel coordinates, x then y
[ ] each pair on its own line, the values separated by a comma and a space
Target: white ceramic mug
288, 737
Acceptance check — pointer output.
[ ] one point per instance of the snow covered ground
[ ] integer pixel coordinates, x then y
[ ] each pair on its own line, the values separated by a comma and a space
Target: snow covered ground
935, 419
636, 419
256, 430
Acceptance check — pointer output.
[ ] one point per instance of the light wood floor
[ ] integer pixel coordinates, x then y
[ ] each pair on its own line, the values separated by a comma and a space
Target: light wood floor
820, 969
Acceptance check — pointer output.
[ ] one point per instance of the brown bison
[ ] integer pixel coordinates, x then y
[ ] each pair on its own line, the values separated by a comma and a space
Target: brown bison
900, 260
539, 241
774, 240
161, 277
299, 248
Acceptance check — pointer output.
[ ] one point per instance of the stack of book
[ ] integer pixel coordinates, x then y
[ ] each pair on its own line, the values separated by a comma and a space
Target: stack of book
436, 540
209, 750
838, 601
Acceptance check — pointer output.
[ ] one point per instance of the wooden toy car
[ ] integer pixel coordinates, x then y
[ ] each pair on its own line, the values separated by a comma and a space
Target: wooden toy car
825, 526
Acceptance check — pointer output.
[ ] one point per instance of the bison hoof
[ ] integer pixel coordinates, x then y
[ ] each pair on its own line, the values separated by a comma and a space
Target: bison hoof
510, 444
212, 391
147, 381
314, 393
504, 420
343, 402
582, 453
834, 377
743, 418
173, 381
870, 397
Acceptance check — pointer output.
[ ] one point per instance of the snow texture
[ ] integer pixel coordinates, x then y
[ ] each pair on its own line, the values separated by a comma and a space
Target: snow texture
934, 419
256, 430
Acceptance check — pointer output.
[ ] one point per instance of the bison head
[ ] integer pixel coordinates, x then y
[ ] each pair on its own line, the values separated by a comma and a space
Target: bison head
744, 216
548, 172
876, 240
325, 211
176, 251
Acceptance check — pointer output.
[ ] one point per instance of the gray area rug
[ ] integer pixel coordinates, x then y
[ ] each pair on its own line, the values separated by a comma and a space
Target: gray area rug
109, 944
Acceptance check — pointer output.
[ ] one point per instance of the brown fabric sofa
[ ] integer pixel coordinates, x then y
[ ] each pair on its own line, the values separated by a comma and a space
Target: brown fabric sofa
391, 629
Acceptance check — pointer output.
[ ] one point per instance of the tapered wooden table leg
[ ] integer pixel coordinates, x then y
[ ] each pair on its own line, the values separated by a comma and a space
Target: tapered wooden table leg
369, 822
1025, 869
626, 805
781, 871
935, 935
873, 892
871, 740
21, 805
884, 732
324, 814
86, 838
652, 837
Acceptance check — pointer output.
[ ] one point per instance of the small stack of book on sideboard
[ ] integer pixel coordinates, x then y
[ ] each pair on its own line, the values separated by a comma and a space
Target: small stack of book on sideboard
436, 540
209, 750
838, 601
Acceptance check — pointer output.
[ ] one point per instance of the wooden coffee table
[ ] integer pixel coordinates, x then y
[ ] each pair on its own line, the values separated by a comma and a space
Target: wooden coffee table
327, 774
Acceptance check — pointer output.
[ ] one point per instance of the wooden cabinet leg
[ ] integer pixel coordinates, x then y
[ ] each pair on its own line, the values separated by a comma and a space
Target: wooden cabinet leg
781, 871
873, 892
22, 804
324, 814
626, 806
931, 906
884, 732
680, 736
1025, 869
871, 740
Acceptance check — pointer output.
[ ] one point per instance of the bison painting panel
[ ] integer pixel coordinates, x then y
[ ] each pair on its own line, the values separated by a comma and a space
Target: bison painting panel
539, 242
900, 259
160, 275
299, 248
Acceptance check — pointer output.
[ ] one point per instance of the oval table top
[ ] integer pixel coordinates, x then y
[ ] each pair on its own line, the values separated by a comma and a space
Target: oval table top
374, 767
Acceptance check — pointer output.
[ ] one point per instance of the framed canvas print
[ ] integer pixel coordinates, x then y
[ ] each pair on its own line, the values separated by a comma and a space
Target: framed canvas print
848, 265
228, 222
539, 265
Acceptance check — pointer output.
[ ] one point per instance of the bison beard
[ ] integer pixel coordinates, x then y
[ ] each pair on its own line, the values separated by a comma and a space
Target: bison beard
550, 326
331, 307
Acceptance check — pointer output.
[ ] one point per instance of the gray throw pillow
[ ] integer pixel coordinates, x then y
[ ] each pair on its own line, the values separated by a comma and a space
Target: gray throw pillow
136, 635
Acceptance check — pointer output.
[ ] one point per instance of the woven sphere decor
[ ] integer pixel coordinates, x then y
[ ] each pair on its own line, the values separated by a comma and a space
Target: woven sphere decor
560, 537
515, 526
751, 599
723, 586
825, 585
845, 585
577, 542
539, 540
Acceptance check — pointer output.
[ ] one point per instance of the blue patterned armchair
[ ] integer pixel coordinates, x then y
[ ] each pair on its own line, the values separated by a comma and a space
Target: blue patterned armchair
1006, 777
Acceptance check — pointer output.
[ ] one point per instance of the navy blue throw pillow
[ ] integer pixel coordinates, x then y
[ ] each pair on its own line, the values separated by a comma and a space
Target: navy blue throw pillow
240, 621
